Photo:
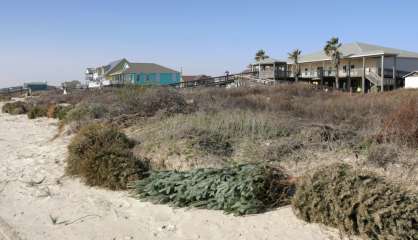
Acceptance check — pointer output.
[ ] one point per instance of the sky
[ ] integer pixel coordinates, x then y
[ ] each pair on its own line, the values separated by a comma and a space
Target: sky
55, 40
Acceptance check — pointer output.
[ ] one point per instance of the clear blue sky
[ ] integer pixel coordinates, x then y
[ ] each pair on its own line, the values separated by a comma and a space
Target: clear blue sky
53, 40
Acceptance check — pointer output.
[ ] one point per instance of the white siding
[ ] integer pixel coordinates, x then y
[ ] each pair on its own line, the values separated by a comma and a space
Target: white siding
373, 64
411, 82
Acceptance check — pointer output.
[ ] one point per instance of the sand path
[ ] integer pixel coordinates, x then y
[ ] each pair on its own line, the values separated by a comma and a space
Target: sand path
38, 202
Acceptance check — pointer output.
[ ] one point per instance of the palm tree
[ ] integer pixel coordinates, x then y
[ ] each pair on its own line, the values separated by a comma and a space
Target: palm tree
331, 49
296, 67
260, 55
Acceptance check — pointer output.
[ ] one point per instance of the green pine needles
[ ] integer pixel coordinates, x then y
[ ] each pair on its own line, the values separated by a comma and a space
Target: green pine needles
240, 190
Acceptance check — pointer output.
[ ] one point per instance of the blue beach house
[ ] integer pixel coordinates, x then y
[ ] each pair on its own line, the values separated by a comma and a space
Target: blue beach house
124, 72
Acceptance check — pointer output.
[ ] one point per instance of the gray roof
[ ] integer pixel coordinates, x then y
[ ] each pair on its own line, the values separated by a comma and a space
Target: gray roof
268, 60
148, 68
113, 64
358, 49
411, 74
35, 83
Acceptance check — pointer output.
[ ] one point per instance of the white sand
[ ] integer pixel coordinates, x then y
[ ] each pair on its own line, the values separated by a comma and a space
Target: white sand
27, 204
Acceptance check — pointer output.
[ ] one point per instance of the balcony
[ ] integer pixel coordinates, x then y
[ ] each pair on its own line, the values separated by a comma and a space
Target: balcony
354, 72
271, 74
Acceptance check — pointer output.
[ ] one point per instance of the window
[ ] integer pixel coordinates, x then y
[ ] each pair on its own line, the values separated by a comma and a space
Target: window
352, 66
345, 68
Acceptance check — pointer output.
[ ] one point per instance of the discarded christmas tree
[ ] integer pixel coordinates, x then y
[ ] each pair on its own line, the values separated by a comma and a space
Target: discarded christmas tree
244, 189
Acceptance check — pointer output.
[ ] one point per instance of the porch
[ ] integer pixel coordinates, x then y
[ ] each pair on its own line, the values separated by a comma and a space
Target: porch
378, 70
270, 69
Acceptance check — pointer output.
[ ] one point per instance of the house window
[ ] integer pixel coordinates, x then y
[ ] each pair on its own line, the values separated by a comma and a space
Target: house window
345, 68
306, 71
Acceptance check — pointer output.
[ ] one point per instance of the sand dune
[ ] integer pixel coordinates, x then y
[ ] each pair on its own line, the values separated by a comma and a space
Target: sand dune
38, 202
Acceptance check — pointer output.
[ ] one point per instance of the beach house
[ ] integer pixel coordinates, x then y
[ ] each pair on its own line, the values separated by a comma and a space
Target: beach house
124, 72
362, 67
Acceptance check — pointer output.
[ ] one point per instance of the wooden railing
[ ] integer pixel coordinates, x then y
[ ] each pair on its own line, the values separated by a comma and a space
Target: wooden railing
13, 90
213, 81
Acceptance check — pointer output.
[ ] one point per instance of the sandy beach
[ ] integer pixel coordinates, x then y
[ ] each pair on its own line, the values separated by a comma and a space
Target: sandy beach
38, 202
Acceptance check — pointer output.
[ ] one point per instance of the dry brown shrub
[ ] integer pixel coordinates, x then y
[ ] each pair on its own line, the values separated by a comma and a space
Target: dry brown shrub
37, 112
381, 155
357, 203
282, 149
5, 98
102, 156
401, 125
148, 101
52, 111
16, 108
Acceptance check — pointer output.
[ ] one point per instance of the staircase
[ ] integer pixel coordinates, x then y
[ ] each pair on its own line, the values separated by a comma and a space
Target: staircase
376, 79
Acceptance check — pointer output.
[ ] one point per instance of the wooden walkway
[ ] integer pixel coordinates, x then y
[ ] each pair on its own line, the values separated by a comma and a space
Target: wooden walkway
214, 81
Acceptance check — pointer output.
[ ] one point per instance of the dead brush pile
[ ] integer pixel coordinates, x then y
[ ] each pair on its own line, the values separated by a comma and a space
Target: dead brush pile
244, 189
101, 155
122, 106
358, 203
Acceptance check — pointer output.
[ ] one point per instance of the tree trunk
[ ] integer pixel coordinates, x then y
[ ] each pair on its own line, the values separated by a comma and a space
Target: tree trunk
337, 79
297, 73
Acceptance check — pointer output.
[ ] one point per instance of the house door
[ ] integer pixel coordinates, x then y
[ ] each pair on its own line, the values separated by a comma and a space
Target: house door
320, 72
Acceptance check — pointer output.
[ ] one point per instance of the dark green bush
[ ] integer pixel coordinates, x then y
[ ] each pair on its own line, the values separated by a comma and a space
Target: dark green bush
16, 108
37, 112
357, 203
101, 155
245, 189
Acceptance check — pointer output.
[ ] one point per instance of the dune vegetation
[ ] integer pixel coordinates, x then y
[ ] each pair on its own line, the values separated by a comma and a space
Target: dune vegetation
173, 145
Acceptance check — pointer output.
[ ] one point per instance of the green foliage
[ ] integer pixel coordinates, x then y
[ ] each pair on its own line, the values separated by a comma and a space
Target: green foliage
86, 112
244, 189
357, 203
62, 111
37, 111
16, 108
101, 155
260, 55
